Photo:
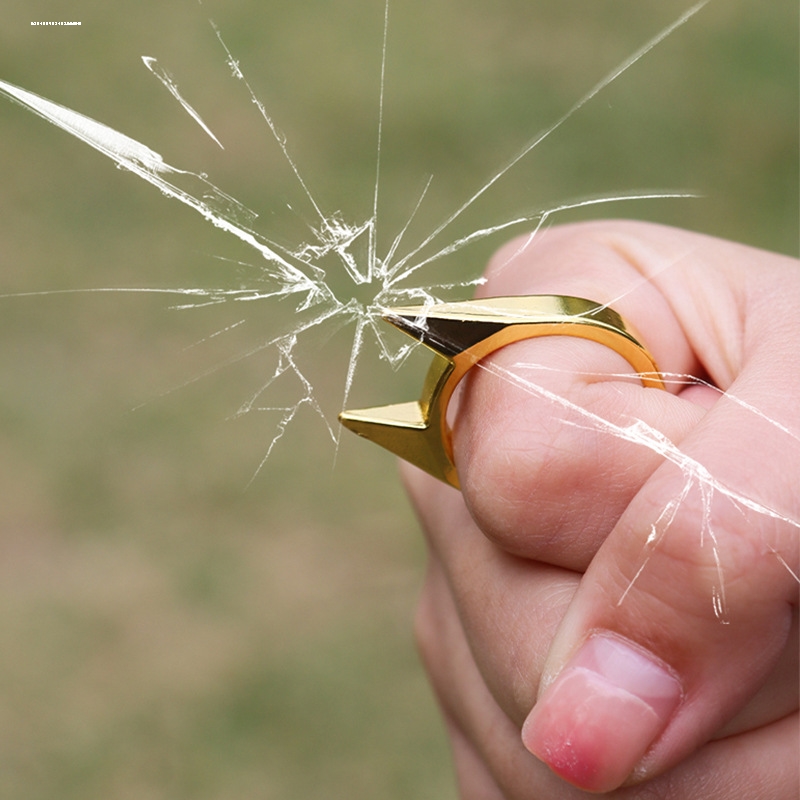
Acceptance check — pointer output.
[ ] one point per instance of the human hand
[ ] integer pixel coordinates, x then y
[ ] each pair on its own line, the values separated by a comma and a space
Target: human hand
671, 665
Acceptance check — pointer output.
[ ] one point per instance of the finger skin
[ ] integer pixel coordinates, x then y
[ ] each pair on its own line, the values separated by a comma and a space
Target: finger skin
508, 444
539, 477
490, 763
549, 491
704, 494
510, 609
668, 610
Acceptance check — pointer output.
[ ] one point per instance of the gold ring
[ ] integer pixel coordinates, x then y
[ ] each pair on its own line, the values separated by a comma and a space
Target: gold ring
460, 335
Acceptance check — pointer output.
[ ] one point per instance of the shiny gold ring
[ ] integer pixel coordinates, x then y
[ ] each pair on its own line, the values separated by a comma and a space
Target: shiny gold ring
460, 335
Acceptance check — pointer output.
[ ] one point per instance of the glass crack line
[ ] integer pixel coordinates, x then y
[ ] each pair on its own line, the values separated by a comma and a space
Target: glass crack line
165, 78
695, 474
298, 272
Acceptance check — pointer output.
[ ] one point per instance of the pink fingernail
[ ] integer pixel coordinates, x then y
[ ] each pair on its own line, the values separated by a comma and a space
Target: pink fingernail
602, 713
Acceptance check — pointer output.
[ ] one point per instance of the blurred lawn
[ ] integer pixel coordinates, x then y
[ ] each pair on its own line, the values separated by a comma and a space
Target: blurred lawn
167, 631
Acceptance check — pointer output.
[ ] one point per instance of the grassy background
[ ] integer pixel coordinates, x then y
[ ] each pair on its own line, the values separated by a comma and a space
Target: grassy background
166, 632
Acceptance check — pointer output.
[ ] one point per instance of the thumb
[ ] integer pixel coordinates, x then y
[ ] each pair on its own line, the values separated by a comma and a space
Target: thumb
689, 603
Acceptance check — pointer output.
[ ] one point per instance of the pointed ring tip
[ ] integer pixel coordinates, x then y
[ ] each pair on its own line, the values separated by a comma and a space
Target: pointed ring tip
460, 335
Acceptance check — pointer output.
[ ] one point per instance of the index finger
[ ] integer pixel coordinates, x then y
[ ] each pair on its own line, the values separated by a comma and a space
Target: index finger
540, 467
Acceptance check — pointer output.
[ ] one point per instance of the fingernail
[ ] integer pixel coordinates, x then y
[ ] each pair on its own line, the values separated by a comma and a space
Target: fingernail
598, 718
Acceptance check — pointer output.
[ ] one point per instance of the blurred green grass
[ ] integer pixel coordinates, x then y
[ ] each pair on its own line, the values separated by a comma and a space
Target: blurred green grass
167, 630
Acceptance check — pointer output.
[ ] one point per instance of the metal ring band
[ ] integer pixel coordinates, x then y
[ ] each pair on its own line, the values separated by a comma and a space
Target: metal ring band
460, 335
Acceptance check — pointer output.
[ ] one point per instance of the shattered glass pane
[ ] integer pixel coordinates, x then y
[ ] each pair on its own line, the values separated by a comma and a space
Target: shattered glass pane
396, 277
329, 165
308, 275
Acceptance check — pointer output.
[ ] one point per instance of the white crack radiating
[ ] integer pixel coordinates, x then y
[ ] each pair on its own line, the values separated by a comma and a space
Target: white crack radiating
396, 277
172, 87
695, 474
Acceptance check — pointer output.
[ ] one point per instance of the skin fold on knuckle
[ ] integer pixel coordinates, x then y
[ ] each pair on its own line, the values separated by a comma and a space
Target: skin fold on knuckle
518, 466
